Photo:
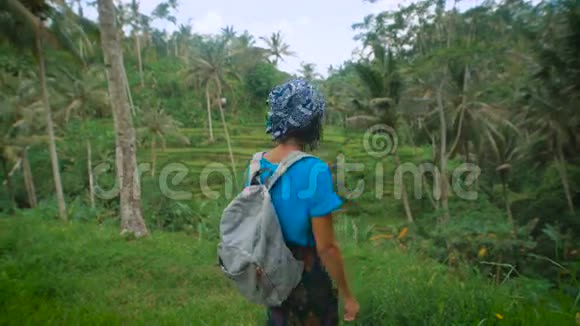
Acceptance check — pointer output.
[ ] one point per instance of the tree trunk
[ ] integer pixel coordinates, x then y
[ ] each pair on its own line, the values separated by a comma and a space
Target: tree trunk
443, 149
153, 156
128, 90
404, 196
443, 156
211, 139
232, 161
435, 158
80, 8
139, 59
9, 187
90, 171
506, 199
561, 163
50, 128
433, 148
81, 52
434, 203
28, 180
460, 138
130, 190
474, 162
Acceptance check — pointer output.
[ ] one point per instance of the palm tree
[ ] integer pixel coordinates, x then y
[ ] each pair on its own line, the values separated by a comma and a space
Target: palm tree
243, 57
344, 93
163, 11
551, 129
383, 82
458, 109
210, 67
29, 22
84, 95
124, 15
204, 81
334, 107
8, 154
9, 149
181, 37
308, 71
83, 92
277, 48
130, 189
28, 178
75, 33
22, 124
15, 150
229, 33
554, 97
507, 150
454, 91
158, 125
137, 22
246, 40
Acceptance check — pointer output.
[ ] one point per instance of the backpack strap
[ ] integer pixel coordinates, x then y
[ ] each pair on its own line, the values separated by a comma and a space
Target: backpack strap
286, 163
255, 167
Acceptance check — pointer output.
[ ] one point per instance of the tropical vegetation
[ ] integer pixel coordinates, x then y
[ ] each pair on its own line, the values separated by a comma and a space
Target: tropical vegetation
120, 144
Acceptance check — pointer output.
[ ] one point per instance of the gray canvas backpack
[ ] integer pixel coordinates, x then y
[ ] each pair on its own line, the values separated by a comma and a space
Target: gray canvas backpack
252, 251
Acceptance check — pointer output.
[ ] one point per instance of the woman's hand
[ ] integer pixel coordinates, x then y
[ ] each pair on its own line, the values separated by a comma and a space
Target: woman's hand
351, 308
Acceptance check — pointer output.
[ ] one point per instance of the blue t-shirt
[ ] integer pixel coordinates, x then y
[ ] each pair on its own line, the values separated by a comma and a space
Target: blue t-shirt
305, 191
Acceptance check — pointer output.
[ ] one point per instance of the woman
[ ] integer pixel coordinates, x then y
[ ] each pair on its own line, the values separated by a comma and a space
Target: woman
304, 200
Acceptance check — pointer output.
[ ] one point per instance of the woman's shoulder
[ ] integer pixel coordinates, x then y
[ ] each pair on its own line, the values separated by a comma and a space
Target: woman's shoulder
306, 163
311, 162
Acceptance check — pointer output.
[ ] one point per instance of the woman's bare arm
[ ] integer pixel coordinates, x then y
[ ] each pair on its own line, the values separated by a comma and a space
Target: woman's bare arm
329, 252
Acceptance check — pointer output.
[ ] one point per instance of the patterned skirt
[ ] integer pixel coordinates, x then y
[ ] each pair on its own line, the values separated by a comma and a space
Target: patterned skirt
314, 301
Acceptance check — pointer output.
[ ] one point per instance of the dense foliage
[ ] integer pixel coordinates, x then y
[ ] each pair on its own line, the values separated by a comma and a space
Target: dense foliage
493, 86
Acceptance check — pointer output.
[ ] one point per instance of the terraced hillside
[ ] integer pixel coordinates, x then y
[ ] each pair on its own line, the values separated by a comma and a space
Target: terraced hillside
203, 156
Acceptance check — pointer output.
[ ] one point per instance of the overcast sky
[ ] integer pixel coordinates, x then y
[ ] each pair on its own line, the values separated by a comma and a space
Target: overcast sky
319, 31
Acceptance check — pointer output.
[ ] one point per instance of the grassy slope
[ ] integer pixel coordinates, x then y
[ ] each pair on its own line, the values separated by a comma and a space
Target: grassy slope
78, 274
86, 274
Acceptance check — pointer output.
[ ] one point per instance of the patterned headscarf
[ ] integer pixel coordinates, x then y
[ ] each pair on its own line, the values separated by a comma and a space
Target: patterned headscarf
293, 105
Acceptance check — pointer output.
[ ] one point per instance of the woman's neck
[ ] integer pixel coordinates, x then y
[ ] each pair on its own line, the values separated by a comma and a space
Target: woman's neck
279, 152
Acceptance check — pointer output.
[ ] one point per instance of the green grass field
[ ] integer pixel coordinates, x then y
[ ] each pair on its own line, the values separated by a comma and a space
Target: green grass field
84, 273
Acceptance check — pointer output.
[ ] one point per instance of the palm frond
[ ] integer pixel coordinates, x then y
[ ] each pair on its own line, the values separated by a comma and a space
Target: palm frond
372, 79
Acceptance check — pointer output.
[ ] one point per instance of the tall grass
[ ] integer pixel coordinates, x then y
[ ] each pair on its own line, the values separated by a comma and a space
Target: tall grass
82, 273
52, 273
